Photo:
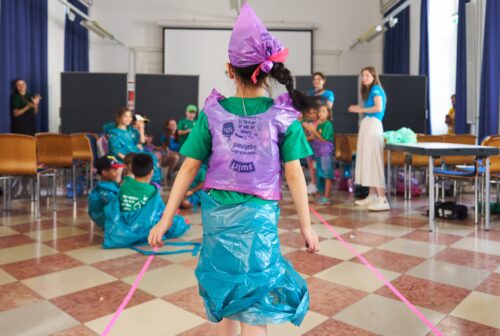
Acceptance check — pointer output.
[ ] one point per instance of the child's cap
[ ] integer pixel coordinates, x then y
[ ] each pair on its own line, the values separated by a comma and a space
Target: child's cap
252, 44
107, 162
191, 108
139, 117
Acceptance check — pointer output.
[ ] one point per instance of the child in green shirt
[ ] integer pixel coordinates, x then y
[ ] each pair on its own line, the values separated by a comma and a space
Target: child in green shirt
323, 149
185, 125
136, 191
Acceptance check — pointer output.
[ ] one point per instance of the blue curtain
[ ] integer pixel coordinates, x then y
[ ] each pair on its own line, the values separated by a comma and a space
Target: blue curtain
490, 74
461, 126
397, 44
423, 66
76, 42
23, 54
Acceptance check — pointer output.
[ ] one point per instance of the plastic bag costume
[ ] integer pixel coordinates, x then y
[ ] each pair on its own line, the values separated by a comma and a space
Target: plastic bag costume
103, 193
241, 272
126, 229
124, 142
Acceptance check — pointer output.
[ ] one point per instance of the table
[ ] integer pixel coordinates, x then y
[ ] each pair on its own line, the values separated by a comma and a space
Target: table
437, 149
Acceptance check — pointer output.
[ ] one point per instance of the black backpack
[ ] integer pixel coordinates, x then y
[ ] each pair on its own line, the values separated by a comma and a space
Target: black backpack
449, 210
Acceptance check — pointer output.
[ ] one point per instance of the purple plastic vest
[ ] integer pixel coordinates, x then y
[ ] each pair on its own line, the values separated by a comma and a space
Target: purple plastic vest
322, 148
245, 154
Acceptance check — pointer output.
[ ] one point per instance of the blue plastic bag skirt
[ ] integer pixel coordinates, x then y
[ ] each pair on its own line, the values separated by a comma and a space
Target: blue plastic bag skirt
125, 229
241, 272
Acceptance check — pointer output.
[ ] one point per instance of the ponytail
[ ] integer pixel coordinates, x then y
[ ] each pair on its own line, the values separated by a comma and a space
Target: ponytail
300, 101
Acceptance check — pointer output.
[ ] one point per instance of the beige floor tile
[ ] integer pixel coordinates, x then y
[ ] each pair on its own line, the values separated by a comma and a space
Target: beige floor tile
386, 229
6, 231
323, 232
480, 308
479, 245
497, 270
450, 274
51, 234
156, 317
459, 230
412, 247
356, 276
23, 252
194, 218
36, 319
311, 320
333, 248
176, 258
314, 219
6, 278
68, 281
96, 253
387, 317
195, 232
286, 249
19, 219
160, 282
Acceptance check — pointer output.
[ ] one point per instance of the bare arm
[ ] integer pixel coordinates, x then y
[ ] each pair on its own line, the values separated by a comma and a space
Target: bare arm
374, 109
297, 184
20, 112
182, 182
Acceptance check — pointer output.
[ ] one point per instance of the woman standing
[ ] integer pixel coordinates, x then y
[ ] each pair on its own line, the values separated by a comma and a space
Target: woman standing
327, 96
24, 107
370, 148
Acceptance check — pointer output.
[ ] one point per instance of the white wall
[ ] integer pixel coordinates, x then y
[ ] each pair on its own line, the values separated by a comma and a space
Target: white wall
442, 60
55, 60
136, 23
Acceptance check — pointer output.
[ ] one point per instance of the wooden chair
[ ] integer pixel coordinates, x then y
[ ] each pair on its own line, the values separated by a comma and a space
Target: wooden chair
83, 154
18, 155
55, 151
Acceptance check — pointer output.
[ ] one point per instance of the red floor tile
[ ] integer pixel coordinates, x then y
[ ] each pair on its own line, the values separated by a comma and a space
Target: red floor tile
432, 295
99, 301
14, 240
188, 299
329, 299
39, 266
457, 327
75, 242
15, 295
490, 285
365, 238
128, 265
468, 258
433, 237
391, 261
310, 264
332, 327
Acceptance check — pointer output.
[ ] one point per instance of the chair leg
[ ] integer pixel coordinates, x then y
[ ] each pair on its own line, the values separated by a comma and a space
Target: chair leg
91, 175
476, 205
37, 204
404, 182
409, 181
54, 191
74, 182
5, 195
497, 190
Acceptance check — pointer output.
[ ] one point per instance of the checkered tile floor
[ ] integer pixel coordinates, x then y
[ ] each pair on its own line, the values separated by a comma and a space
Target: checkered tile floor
56, 280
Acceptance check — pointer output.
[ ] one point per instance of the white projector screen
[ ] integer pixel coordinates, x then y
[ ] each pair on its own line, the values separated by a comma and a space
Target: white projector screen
203, 52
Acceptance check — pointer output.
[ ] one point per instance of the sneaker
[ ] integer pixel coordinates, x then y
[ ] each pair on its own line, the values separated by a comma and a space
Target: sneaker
369, 200
381, 205
311, 189
323, 201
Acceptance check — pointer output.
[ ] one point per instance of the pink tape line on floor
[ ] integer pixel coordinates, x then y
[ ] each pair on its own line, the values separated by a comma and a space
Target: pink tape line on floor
129, 295
378, 275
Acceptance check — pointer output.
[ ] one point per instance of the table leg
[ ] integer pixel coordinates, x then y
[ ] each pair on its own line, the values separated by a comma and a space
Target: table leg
431, 194
488, 196
389, 173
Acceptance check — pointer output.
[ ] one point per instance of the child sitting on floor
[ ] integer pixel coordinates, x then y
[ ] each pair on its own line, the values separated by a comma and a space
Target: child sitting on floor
193, 199
136, 191
106, 189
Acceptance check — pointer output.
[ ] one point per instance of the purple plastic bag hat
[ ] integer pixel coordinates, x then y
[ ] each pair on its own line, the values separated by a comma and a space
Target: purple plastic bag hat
251, 44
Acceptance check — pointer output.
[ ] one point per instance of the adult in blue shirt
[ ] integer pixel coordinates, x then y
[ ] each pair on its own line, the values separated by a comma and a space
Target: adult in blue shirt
327, 96
370, 148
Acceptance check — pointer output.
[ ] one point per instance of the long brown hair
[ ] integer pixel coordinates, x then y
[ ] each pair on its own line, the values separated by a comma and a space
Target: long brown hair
365, 90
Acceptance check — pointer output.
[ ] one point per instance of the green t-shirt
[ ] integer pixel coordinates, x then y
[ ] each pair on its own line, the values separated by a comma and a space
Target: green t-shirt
326, 130
198, 146
185, 124
134, 195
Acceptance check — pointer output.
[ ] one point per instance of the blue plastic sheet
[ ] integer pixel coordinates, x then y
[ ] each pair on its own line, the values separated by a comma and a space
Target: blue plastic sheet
241, 272
125, 229
103, 193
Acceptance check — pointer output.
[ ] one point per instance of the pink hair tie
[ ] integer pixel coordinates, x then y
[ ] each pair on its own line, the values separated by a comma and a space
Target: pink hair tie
267, 65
